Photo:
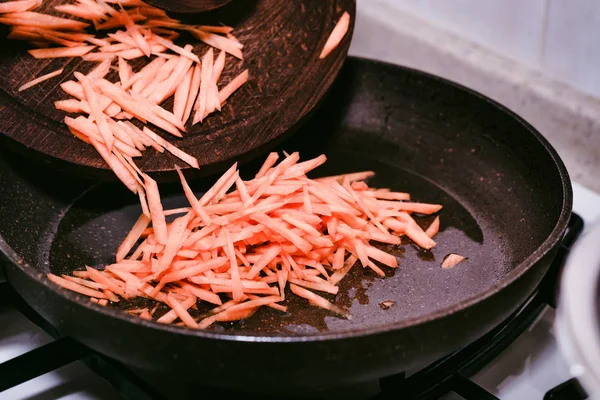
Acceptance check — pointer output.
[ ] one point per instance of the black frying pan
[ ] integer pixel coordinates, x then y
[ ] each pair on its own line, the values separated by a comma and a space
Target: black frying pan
507, 201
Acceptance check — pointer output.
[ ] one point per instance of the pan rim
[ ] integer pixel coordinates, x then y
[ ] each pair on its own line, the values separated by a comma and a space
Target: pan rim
354, 332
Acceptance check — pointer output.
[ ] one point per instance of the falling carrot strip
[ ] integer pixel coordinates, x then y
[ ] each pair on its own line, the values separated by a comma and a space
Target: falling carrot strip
434, 228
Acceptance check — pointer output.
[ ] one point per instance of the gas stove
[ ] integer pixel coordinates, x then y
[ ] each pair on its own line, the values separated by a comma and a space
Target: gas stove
517, 360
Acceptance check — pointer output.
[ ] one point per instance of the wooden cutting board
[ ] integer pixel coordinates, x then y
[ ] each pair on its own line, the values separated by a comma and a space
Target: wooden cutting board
283, 40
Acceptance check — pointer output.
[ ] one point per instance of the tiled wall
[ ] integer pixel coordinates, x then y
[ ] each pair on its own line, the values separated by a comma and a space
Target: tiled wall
560, 37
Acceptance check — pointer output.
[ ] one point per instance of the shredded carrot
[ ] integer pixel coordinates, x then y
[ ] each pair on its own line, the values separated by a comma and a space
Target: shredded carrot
232, 86
60, 51
337, 34
241, 243
22, 5
41, 79
434, 228
451, 260
75, 287
156, 210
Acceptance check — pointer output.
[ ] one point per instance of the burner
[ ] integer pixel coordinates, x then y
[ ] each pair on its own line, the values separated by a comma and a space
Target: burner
448, 375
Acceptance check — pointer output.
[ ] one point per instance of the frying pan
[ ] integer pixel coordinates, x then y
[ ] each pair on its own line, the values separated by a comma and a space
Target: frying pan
507, 200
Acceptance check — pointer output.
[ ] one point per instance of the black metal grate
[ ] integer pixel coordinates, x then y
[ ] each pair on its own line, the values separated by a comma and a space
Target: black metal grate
448, 375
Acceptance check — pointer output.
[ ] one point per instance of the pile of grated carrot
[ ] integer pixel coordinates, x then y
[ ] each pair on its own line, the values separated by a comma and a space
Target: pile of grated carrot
126, 30
243, 242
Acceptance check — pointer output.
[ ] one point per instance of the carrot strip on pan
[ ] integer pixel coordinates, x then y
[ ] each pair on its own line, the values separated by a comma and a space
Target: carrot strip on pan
451, 260
318, 300
75, 287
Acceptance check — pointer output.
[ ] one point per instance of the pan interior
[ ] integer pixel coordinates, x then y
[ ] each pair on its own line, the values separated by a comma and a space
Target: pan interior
94, 226
502, 191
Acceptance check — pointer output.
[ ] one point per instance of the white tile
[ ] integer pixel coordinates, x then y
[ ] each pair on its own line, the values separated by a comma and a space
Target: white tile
572, 43
418, 7
510, 27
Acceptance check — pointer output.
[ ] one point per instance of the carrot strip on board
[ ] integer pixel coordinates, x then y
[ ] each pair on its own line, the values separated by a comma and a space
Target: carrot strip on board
193, 92
31, 18
200, 105
77, 11
100, 71
233, 85
172, 149
181, 95
177, 49
132, 237
218, 67
57, 52
222, 43
215, 29
98, 57
125, 71
169, 86
41, 79
96, 111
336, 36
58, 40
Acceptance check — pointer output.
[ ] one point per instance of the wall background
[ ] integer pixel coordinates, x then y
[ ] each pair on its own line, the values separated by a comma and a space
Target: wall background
558, 37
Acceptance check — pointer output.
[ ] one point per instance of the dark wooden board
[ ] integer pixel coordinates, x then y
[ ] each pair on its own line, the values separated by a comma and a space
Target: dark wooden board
282, 40
190, 6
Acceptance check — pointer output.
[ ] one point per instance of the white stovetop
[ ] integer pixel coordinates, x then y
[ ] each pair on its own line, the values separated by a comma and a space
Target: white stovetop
526, 370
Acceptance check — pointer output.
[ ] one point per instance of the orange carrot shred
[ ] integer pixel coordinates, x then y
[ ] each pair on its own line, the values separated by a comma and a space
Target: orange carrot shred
434, 228
337, 34
41, 79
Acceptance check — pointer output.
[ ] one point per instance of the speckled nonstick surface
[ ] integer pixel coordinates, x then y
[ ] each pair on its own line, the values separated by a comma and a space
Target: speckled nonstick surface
506, 195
